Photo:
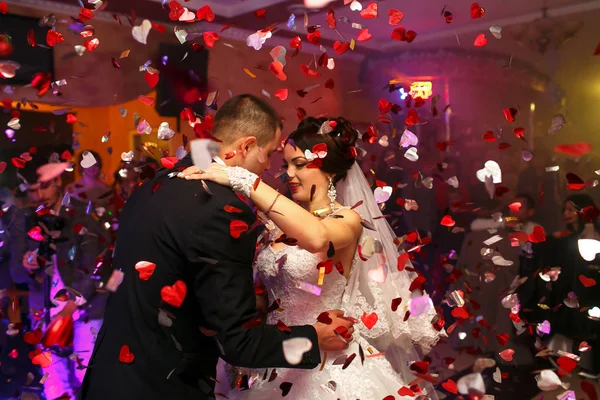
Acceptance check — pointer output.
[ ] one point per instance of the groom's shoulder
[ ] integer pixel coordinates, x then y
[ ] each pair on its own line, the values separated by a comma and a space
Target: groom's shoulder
180, 194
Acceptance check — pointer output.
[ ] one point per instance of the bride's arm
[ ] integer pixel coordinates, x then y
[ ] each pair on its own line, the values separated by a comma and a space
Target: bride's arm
312, 233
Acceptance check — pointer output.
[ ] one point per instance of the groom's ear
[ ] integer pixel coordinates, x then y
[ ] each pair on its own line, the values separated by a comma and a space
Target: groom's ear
246, 144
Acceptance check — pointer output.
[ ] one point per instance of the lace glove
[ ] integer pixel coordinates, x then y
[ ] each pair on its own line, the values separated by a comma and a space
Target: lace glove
240, 179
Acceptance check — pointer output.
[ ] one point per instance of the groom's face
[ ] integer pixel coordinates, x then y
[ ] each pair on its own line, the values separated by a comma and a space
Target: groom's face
258, 159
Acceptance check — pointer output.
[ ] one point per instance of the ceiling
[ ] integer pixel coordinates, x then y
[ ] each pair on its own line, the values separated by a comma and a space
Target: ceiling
424, 17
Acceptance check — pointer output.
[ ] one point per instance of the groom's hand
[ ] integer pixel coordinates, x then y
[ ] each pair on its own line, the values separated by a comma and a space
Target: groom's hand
334, 330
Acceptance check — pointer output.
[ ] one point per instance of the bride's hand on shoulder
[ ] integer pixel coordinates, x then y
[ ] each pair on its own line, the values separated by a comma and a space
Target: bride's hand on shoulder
214, 173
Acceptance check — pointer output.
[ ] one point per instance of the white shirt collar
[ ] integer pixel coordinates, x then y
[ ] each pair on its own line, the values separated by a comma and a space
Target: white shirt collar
218, 160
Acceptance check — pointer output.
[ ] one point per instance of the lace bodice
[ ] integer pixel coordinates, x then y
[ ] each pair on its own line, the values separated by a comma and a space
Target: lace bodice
291, 275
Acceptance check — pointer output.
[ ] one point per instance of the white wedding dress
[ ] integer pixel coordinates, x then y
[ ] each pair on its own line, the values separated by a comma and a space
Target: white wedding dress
284, 273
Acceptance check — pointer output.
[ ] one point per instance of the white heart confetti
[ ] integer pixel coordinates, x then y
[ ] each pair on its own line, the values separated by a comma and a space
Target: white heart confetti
408, 139
383, 194
180, 34
420, 305
140, 33
378, 274
127, 156
88, 160
411, 154
490, 168
471, 384
496, 31
278, 54
558, 122
355, 6
548, 380
165, 132
294, 349
187, 15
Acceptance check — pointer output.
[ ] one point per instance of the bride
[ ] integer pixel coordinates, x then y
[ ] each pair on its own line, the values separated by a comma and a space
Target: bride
334, 250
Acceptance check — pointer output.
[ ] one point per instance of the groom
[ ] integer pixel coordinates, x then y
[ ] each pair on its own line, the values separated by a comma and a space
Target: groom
187, 295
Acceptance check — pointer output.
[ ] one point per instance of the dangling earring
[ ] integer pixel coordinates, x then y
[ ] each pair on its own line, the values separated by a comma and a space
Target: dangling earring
331, 193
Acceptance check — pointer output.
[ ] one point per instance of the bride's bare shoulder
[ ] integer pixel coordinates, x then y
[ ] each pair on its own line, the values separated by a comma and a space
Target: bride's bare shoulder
349, 217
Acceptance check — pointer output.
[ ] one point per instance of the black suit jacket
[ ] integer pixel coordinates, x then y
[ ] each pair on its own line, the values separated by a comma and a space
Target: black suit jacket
185, 231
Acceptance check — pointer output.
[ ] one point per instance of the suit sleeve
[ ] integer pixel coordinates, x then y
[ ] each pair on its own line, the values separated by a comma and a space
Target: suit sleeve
223, 286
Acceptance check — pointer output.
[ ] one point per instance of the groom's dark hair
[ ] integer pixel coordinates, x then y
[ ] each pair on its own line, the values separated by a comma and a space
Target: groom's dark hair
246, 115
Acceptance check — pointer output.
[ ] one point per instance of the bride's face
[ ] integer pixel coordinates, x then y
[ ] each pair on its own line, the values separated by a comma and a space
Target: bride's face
301, 178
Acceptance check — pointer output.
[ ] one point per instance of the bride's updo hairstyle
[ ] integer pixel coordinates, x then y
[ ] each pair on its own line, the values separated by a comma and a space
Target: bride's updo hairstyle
339, 136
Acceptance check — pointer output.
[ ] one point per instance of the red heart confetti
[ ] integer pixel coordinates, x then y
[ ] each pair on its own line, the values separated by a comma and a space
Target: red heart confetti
331, 22
205, 13
231, 209
34, 338
587, 282
53, 38
566, 365
480, 40
276, 67
574, 182
489, 136
2, 166
314, 37
460, 313
151, 79
210, 38
147, 100
402, 260
510, 114
340, 47
311, 73
369, 11
450, 386
369, 320
574, 149
395, 16
91, 44
283, 327
146, 269
169, 162
71, 119
43, 359
396, 303
175, 294
405, 391
176, 10
519, 133
447, 221
324, 318
236, 228
363, 35
3, 7
588, 388
281, 94
296, 43
538, 235
476, 11
420, 367
502, 338
125, 355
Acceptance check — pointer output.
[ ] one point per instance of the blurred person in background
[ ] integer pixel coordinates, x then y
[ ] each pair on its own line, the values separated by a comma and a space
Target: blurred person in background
126, 179
572, 291
90, 187
74, 248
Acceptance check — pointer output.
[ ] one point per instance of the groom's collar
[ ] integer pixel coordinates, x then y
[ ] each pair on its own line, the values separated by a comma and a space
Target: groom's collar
218, 160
